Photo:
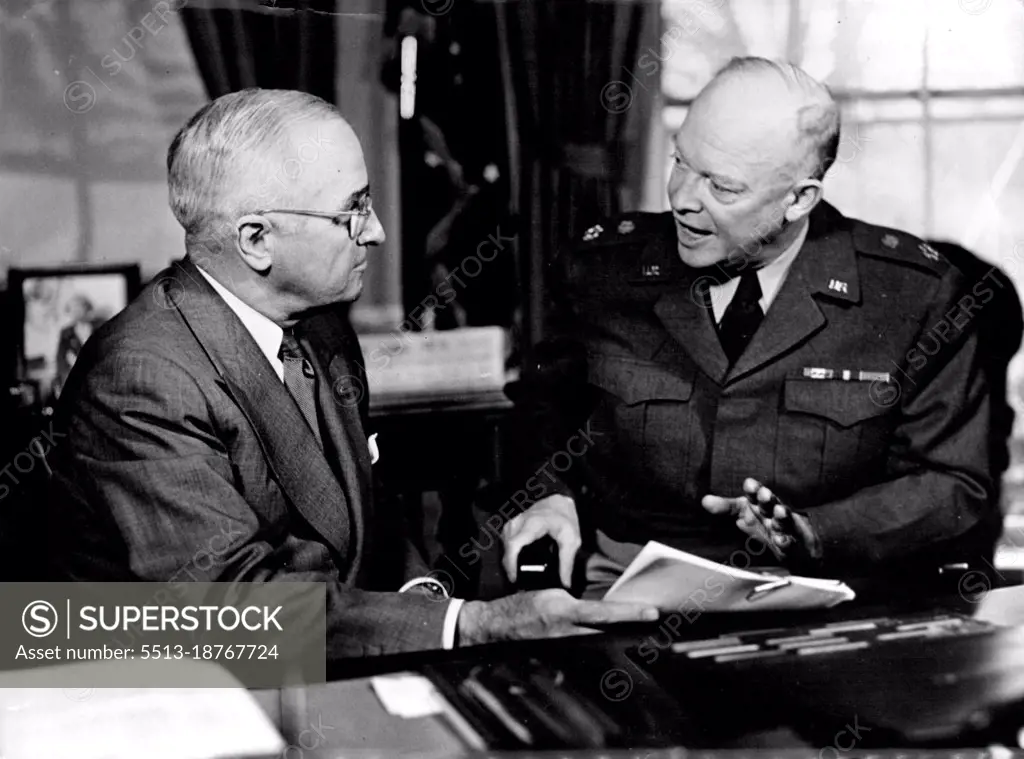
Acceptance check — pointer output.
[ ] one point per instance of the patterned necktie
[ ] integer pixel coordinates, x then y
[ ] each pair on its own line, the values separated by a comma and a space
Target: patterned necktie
742, 317
300, 379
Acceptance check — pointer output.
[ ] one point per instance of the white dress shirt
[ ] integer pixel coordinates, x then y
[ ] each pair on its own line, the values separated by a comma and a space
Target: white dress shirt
770, 277
268, 336
264, 331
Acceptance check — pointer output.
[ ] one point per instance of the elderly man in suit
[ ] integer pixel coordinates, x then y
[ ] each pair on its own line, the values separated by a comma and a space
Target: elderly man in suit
222, 414
766, 380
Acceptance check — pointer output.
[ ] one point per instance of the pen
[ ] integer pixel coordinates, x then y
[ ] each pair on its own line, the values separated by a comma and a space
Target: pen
493, 705
461, 727
593, 726
767, 587
529, 702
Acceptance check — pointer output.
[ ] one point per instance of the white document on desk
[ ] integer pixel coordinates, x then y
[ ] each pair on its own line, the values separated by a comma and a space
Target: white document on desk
675, 580
40, 720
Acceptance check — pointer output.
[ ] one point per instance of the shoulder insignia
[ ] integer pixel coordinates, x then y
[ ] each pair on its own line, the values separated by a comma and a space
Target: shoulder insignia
629, 230
928, 251
898, 246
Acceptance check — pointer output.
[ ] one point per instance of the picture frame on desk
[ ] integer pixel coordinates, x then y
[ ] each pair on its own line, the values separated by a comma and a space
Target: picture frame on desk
58, 308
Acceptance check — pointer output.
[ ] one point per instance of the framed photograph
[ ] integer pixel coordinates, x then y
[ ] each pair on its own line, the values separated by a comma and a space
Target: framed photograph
58, 309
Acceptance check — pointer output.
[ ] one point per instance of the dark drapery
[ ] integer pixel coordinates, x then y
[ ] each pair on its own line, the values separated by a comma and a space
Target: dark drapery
455, 167
579, 113
286, 44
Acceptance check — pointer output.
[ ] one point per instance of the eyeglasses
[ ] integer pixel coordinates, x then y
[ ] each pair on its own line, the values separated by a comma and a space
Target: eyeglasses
357, 217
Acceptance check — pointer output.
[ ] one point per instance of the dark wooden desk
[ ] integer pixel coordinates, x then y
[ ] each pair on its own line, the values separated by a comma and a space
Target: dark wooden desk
742, 702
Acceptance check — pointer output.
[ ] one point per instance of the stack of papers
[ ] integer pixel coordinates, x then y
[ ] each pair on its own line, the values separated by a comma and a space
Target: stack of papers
675, 580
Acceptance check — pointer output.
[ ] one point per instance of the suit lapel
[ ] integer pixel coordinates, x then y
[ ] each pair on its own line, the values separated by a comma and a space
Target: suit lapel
342, 393
291, 450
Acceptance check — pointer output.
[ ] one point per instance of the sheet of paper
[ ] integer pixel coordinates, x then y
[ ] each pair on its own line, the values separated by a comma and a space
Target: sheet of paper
407, 695
128, 723
678, 581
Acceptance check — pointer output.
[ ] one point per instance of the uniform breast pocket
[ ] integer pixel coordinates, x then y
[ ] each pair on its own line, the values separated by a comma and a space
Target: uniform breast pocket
832, 436
644, 415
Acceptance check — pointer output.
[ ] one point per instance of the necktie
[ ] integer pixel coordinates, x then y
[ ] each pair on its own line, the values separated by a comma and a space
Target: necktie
300, 379
742, 317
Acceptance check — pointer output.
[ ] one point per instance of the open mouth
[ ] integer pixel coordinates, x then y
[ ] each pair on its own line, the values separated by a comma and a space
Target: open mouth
691, 231
690, 227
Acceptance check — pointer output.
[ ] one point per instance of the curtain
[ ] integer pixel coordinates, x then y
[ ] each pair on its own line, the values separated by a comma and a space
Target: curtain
276, 45
579, 121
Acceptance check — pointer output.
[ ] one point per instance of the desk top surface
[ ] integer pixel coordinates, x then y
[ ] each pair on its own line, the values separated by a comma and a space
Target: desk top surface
961, 689
405, 404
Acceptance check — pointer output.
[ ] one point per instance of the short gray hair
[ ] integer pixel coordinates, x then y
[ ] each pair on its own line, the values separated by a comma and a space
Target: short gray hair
220, 162
818, 121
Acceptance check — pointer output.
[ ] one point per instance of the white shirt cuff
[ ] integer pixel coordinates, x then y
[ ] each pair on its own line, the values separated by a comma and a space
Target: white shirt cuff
451, 624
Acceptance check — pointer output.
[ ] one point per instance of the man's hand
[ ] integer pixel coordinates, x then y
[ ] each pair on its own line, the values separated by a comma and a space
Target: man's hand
554, 516
758, 512
543, 614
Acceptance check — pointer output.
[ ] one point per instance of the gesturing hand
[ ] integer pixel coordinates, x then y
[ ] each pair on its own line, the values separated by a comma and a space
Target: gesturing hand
758, 512
543, 614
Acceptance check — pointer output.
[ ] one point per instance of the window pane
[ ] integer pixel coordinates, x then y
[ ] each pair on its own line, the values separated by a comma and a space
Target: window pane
864, 111
983, 48
873, 45
701, 36
879, 175
1011, 108
978, 189
865, 44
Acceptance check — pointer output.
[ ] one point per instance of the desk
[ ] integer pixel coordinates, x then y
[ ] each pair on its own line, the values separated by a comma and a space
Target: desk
660, 717
448, 445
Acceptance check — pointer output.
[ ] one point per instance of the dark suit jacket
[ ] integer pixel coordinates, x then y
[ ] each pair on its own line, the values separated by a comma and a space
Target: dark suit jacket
186, 458
884, 469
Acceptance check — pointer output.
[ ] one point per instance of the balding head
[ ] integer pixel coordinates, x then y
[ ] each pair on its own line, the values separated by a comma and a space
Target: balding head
750, 157
791, 106
242, 152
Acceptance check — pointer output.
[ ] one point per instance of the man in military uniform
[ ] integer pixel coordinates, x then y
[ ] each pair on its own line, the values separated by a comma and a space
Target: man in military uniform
764, 380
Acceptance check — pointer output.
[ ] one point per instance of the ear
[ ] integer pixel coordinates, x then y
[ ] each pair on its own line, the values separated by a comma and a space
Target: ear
254, 239
806, 195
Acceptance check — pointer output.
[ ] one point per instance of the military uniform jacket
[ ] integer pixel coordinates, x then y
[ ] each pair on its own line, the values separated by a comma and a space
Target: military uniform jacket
860, 400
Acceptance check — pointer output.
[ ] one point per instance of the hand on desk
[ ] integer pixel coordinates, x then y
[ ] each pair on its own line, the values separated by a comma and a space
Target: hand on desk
759, 513
543, 614
554, 516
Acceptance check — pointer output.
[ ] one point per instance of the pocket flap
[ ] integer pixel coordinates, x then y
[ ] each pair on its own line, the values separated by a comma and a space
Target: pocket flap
637, 381
845, 403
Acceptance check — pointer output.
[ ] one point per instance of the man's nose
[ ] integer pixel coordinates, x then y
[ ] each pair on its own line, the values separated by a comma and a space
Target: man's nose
683, 191
373, 233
